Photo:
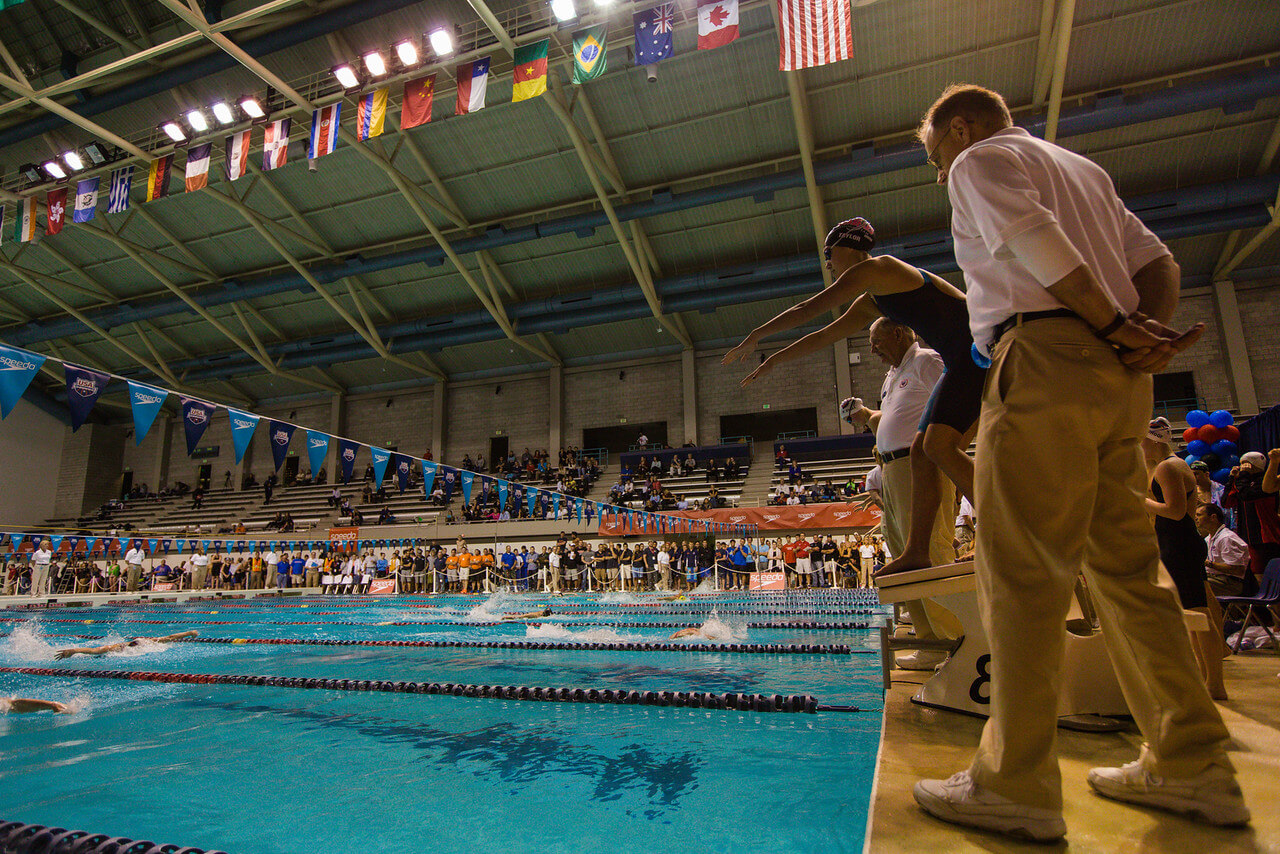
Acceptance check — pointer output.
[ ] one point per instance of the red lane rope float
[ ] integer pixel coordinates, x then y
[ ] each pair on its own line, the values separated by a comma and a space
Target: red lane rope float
664, 625
803, 703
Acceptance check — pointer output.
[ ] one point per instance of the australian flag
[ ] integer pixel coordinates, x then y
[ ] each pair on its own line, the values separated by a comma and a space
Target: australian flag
653, 33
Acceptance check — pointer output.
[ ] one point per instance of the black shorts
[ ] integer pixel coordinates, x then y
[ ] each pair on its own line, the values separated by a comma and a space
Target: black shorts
957, 398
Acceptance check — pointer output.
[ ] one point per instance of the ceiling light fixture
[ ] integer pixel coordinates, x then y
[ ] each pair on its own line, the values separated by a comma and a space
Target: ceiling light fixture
72, 159
222, 112
563, 10
407, 52
347, 78
441, 43
54, 170
375, 63
252, 108
174, 130
198, 122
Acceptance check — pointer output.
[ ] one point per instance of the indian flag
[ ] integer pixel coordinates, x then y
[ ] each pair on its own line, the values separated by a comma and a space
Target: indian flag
24, 220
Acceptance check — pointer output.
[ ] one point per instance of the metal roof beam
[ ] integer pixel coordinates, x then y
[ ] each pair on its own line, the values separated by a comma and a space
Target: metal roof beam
53, 106
1066, 17
104, 28
1229, 259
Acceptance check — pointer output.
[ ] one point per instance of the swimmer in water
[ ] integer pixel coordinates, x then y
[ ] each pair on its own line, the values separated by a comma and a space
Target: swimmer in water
22, 705
115, 647
529, 615
695, 632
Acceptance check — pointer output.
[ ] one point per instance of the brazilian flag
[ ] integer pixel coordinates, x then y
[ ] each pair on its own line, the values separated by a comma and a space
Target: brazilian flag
588, 54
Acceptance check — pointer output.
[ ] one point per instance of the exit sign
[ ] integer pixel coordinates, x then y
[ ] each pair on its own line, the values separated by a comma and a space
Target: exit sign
766, 406
622, 421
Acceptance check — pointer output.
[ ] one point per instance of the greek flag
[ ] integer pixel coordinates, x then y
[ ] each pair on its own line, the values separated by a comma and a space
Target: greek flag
121, 182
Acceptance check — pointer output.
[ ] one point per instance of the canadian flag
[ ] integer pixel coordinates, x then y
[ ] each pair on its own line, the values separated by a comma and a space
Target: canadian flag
717, 23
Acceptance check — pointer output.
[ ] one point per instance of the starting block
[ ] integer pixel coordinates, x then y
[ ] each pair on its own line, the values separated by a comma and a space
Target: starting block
963, 682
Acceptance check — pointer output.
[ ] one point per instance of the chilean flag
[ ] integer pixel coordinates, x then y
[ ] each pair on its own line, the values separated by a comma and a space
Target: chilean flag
473, 80
324, 131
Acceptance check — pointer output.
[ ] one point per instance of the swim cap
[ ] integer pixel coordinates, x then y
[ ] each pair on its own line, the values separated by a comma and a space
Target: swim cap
854, 233
1159, 430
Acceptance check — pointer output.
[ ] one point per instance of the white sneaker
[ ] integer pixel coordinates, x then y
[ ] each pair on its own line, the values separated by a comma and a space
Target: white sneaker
920, 659
959, 800
1212, 796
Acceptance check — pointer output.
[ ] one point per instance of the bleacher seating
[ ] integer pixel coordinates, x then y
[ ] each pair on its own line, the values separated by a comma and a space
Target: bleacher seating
837, 470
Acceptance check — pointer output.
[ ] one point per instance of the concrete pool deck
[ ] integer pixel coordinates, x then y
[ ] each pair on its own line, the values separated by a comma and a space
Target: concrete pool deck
922, 742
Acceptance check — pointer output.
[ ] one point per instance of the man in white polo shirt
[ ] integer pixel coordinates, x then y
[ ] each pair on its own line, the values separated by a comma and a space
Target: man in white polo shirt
271, 559
133, 562
40, 560
1068, 295
904, 396
200, 568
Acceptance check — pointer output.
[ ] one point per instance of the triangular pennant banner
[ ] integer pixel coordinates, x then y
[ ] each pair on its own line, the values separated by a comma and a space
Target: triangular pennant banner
83, 388
317, 450
196, 415
242, 426
146, 401
347, 458
380, 459
281, 432
428, 477
468, 478
17, 367
403, 467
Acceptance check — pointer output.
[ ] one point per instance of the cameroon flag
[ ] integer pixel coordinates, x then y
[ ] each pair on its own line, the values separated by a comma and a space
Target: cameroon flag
531, 71
588, 54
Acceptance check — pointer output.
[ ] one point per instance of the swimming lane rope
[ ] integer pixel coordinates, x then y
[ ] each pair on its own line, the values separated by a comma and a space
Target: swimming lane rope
802, 703
16, 836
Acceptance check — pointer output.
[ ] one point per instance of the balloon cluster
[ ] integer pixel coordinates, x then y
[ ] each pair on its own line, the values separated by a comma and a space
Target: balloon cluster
1211, 439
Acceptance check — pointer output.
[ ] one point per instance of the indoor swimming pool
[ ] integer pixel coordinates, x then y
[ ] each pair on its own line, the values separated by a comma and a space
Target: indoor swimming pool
352, 765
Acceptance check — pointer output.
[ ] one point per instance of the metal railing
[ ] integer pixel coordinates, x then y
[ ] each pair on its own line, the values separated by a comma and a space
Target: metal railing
600, 455
1176, 410
797, 434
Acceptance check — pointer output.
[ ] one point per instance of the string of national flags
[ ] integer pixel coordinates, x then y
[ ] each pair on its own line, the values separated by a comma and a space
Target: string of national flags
811, 33
85, 385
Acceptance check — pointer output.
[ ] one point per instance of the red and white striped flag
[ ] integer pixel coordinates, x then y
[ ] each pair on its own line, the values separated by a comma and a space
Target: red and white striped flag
237, 155
813, 33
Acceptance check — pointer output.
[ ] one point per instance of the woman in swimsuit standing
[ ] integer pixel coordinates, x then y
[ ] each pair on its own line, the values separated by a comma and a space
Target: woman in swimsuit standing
936, 311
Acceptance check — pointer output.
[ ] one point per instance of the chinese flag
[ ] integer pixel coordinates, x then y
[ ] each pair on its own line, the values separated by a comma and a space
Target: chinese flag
416, 108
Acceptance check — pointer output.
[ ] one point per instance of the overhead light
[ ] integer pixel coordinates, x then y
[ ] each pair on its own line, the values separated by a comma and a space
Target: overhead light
54, 170
347, 77
252, 108
375, 63
198, 122
72, 159
222, 112
31, 172
407, 52
441, 43
563, 10
174, 130
97, 153
603, 3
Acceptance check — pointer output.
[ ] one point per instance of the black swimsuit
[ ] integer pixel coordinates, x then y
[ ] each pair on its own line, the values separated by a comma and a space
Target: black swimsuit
942, 321
1183, 552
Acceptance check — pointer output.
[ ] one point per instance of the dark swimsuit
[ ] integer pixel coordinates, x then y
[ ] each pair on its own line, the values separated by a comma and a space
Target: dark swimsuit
943, 322
1183, 552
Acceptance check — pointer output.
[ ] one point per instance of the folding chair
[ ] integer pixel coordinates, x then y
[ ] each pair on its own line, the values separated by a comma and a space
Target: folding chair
1255, 606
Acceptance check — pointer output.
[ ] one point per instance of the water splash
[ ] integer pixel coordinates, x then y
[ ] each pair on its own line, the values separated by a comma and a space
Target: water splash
718, 629
27, 643
549, 631
493, 607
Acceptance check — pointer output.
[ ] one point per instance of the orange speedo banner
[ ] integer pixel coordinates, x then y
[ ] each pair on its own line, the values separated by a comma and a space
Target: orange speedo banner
794, 518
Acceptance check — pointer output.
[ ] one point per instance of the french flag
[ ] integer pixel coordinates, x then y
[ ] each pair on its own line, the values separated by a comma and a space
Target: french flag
324, 130
473, 80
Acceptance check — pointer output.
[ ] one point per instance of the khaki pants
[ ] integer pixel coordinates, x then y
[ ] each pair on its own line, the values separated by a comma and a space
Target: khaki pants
313, 578
199, 577
132, 575
39, 579
931, 621
1060, 486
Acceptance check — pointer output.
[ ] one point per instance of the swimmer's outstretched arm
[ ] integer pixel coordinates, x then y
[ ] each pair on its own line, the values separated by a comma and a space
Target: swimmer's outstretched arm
858, 316
87, 650
852, 286
179, 636
687, 633
20, 705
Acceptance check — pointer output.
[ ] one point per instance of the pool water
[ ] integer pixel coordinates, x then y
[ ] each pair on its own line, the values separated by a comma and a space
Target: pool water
273, 769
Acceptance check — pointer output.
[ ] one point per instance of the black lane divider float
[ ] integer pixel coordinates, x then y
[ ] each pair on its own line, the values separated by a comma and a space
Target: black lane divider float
16, 836
623, 646
584, 624
802, 703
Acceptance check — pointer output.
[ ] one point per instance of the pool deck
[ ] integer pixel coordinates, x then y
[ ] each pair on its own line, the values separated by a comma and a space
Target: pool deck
97, 600
921, 742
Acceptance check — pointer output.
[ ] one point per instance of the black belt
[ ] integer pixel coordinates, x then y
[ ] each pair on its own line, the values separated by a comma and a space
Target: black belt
892, 455
1024, 316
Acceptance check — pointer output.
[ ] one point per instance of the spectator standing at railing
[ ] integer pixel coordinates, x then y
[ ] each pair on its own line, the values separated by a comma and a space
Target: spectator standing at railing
41, 559
133, 563
200, 568
271, 562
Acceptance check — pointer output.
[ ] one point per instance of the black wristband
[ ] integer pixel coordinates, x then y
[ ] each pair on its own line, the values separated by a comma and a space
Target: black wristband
1116, 322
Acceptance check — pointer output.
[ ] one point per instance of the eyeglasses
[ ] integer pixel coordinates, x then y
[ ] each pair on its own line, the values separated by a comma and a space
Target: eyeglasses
931, 154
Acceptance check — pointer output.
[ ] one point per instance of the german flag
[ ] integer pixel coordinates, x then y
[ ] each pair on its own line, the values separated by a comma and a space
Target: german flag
158, 178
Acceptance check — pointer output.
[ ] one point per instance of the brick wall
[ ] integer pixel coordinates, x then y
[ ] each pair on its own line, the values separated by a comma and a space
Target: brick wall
1260, 317
1207, 360
810, 381
475, 412
406, 423
650, 391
